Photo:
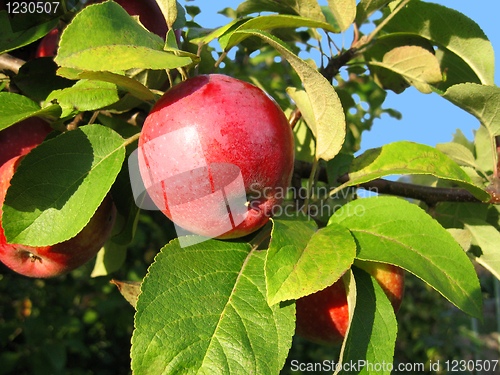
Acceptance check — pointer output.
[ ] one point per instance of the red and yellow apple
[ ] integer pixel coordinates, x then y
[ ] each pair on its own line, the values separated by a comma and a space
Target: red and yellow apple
20, 138
216, 156
61, 258
323, 317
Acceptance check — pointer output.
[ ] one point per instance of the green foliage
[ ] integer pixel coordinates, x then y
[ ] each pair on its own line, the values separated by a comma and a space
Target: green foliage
95, 154
228, 306
373, 329
389, 230
209, 292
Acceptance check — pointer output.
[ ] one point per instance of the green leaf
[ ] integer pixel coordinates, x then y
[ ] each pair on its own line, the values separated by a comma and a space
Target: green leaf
351, 293
103, 37
60, 184
366, 8
109, 259
85, 95
373, 330
449, 29
125, 83
13, 39
304, 142
42, 71
301, 261
203, 309
409, 158
381, 51
271, 22
305, 8
15, 107
217, 33
458, 153
344, 12
303, 103
481, 102
462, 236
391, 230
485, 149
452, 215
169, 10
416, 65
328, 112
455, 70
487, 237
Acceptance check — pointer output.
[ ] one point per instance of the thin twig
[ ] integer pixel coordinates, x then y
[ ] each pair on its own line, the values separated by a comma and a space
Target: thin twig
368, 39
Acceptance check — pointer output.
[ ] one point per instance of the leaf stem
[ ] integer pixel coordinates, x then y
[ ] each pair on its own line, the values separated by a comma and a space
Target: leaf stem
131, 140
217, 63
365, 41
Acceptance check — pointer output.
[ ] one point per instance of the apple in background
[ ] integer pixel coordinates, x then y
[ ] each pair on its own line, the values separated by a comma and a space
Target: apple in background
48, 44
20, 138
216, 156
323, 317
61, 258
149, 14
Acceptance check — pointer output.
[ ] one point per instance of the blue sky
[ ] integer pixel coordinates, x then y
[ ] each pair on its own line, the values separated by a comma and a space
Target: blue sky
427, 119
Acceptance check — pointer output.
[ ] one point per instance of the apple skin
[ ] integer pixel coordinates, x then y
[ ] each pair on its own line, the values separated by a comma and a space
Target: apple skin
236, 123
323, 317
61, 258
48, 44
21, 138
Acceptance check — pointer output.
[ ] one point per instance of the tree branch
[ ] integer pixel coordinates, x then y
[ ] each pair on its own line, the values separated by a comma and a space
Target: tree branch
8, 62
428, 194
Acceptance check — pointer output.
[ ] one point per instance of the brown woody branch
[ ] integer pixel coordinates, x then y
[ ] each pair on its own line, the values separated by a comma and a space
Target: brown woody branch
428, 194
11, 63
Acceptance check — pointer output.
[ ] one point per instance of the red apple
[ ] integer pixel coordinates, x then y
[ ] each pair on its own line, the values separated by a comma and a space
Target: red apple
20, 138
61, 258
323, 317
216, 156
48, 44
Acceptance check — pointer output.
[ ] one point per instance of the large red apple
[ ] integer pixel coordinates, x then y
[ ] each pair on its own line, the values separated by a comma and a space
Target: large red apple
20, 138
323, 317
216, 156
60, 258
